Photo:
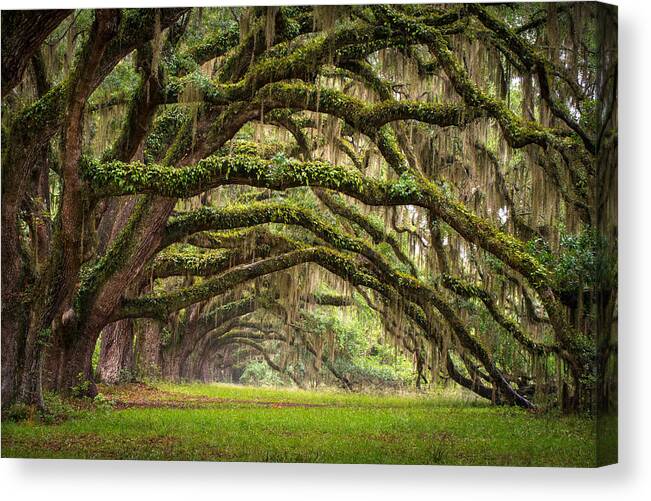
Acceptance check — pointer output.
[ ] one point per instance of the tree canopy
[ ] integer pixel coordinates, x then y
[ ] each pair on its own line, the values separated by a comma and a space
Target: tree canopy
213, 181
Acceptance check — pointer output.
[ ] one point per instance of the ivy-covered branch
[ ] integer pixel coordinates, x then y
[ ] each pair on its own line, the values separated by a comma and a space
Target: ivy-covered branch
117, 178
404, 192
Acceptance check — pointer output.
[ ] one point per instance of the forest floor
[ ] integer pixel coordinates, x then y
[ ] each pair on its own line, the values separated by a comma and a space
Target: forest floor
221, 422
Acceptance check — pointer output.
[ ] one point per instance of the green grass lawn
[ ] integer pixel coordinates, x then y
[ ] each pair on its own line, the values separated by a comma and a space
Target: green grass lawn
234, 423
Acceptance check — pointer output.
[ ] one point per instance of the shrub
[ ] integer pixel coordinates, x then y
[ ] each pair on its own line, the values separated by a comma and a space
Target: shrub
56, 409
258, 373
82, 388
102, 403
125, 376
17, 412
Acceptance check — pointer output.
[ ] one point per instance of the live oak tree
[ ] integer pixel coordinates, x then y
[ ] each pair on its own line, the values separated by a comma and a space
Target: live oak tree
190, 182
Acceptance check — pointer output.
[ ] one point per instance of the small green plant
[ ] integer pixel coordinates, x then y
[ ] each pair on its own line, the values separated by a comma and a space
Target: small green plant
102, 403
280, 159
82, 388
56, 410
17, 412
125, 376
165, 337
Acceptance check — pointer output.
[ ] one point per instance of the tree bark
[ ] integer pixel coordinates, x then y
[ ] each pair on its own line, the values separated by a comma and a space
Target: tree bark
23, 31
116, 357
77, 376
148, 357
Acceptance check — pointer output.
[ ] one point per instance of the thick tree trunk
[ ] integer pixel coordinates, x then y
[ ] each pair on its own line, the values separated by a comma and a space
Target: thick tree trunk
31, 391
54, 363
186, 366
116, 356
13, 283
9, 360
23, 339
12, 326
77, 375
58, 282
195, 369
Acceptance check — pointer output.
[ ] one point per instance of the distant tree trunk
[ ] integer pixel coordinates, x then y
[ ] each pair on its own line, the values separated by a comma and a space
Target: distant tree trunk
188, 366
116, 357
149, 350
171, 366
208, 366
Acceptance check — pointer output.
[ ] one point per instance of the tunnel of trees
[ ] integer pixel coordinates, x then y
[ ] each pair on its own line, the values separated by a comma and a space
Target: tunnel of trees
184, 189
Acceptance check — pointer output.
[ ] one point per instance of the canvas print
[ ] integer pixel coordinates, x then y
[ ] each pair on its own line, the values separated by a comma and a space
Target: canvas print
331, 234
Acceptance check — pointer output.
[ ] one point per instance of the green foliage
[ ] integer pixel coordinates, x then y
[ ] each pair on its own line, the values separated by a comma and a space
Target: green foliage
102, 403
17, 412
258, 373
280, 159
164, 129
82, 388
578, 263
130, 178
590, 118
360, 353
126, 375
122, 81
372, 370
57, 409
406, 186
165, 337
